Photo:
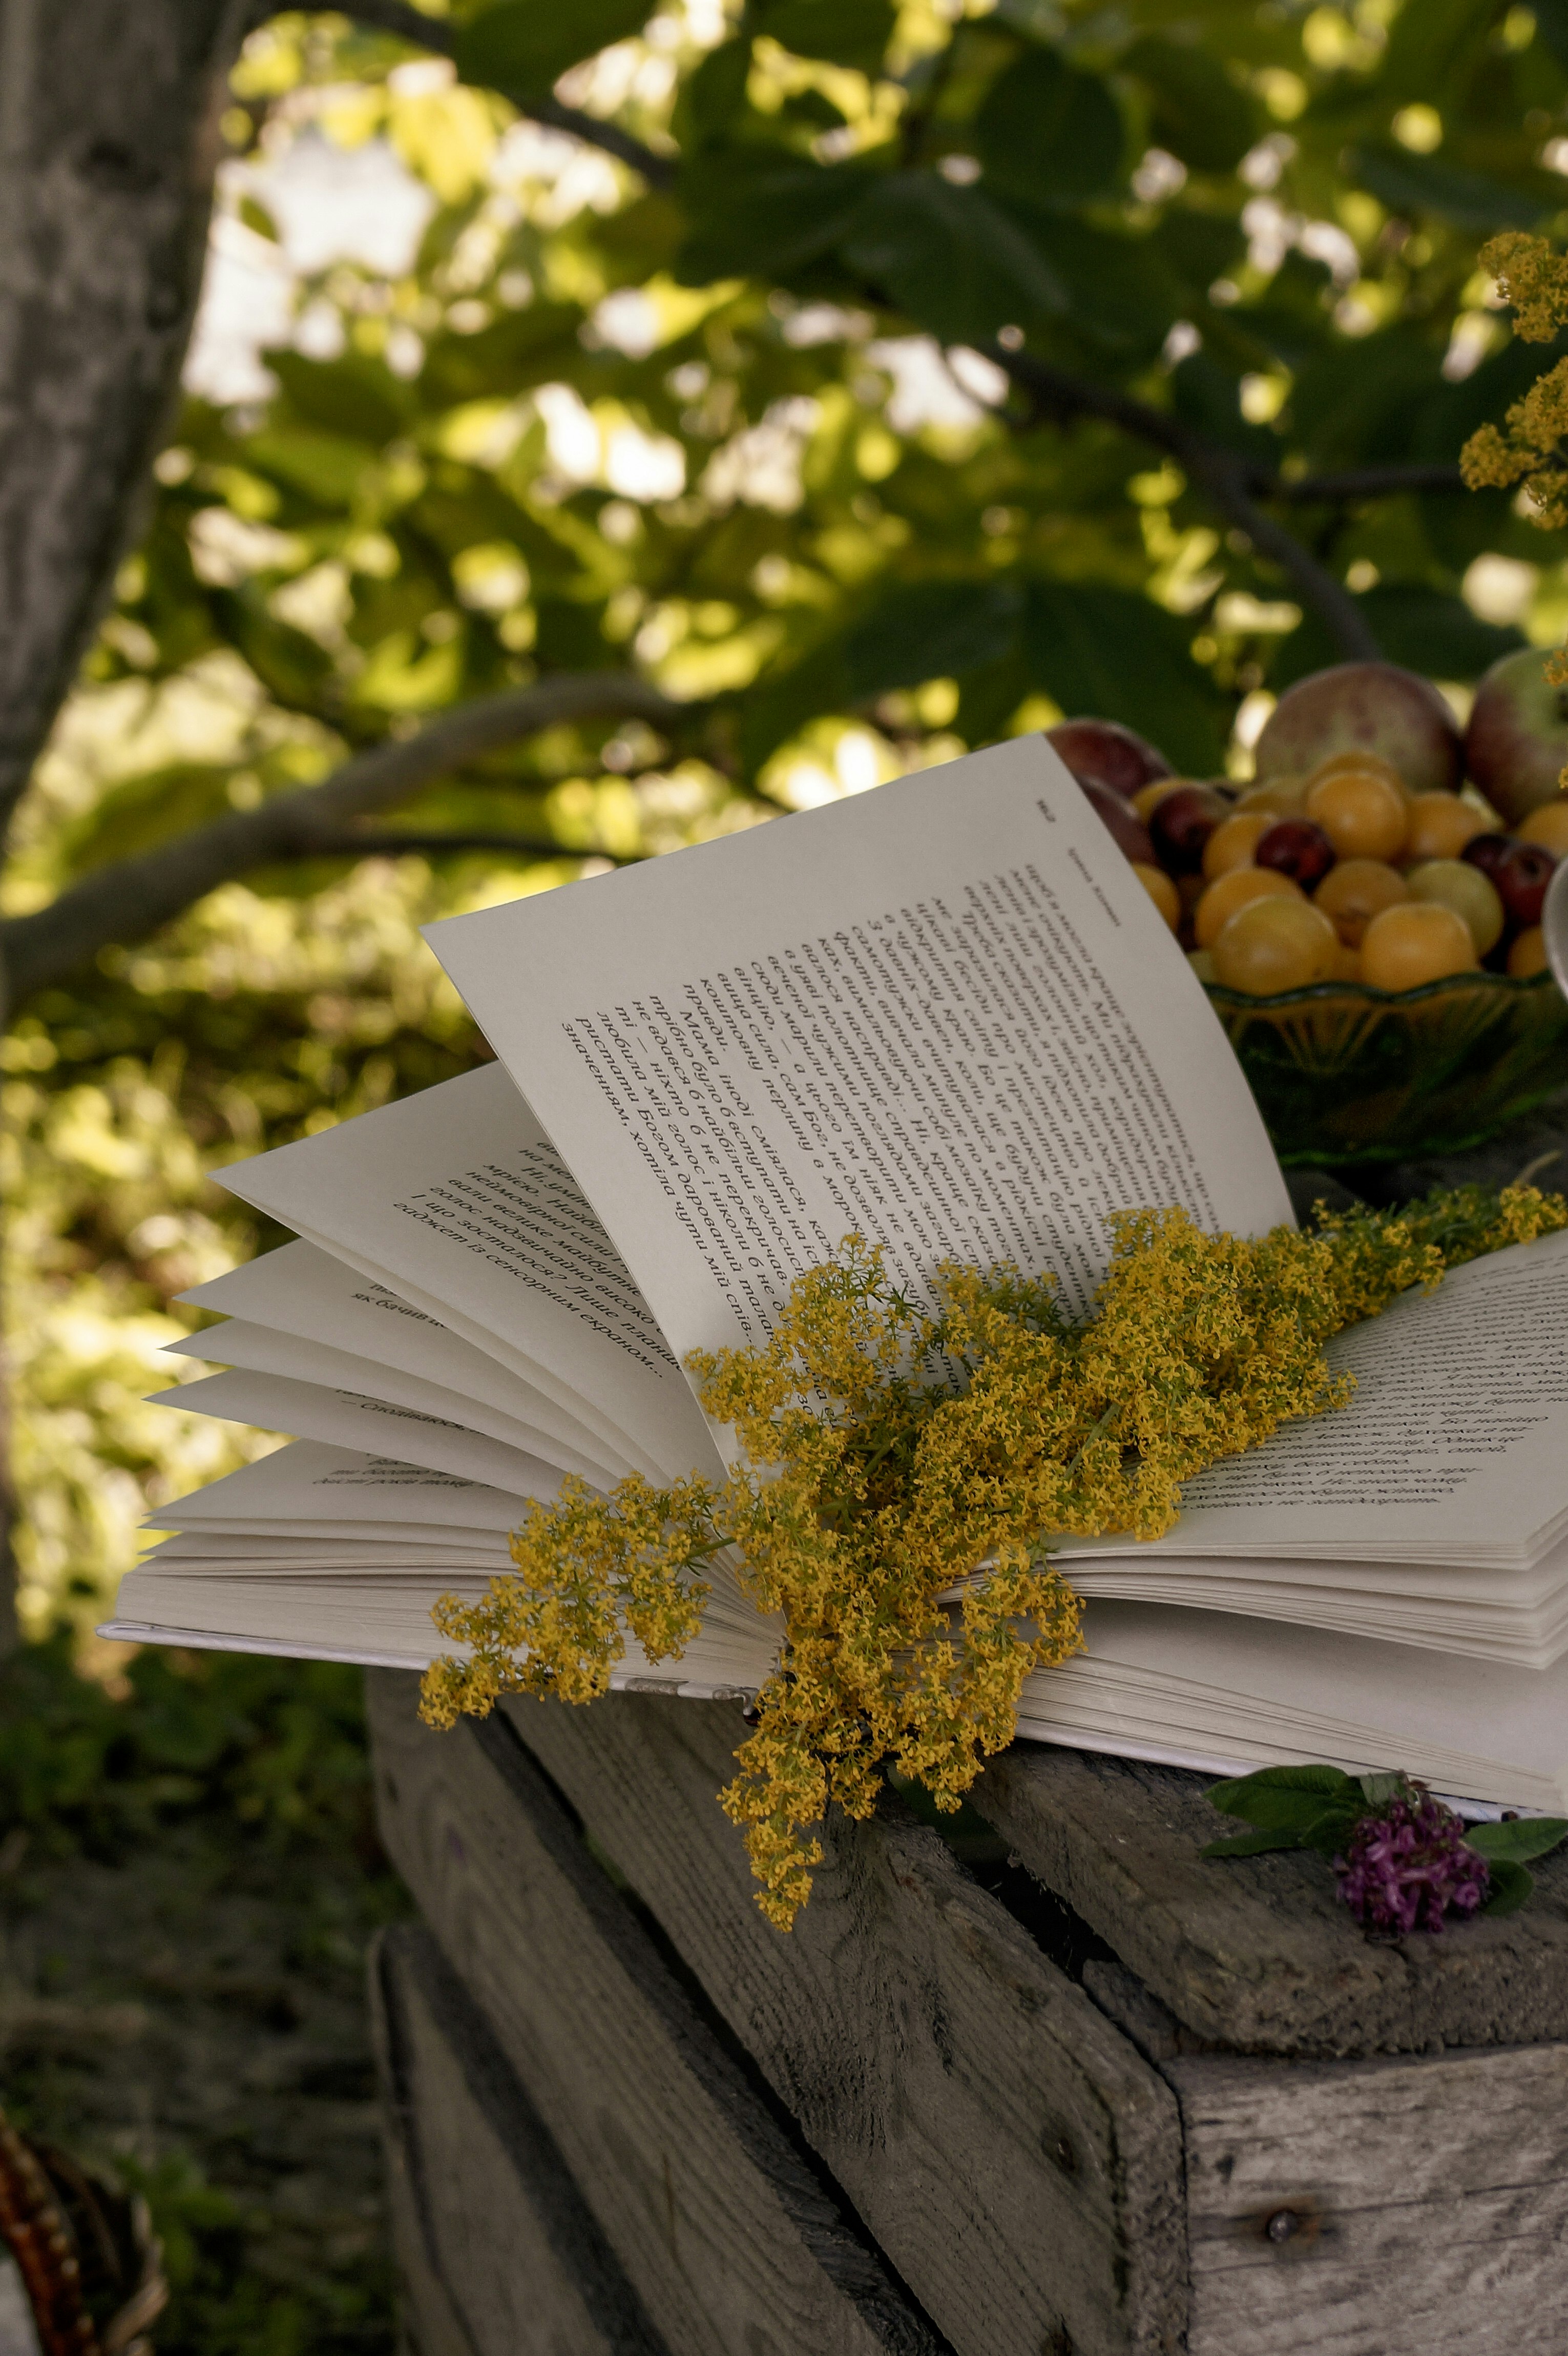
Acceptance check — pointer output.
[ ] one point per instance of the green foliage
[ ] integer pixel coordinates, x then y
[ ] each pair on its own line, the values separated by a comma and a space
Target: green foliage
275, 1747
952, 180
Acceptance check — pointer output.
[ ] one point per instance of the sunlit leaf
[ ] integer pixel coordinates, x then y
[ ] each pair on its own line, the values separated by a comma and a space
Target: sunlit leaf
326, 468
353, 394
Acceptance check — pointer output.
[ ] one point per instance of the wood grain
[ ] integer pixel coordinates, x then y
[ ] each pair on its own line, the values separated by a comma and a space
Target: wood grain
1256, 1954
499, 2253
1011, 2151
1420, 2206
732, 2243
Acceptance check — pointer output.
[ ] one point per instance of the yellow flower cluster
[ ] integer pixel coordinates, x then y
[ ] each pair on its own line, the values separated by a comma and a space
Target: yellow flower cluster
903, 1472
1534, 281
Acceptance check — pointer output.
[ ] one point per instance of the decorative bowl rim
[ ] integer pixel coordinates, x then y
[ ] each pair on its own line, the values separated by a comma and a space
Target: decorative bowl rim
1499, 984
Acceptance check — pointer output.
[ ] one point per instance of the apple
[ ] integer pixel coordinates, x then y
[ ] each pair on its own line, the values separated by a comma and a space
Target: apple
1364, 707
1108, 753
1127, 829
1517, 743
1182, 824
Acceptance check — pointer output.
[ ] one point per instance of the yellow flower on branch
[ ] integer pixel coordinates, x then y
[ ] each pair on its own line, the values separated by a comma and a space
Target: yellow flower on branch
1527, 448
903, 1472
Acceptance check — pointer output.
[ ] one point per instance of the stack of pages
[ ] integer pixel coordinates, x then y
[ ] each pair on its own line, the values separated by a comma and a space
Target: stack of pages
946, 1016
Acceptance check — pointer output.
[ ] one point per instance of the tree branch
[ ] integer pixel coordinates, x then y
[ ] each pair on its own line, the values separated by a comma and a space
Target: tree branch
1229, 478
134, 897
1356, 483
410, 25
397, 843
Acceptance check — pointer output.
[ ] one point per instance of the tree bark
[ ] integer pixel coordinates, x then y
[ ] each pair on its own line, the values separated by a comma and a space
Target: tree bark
109, 141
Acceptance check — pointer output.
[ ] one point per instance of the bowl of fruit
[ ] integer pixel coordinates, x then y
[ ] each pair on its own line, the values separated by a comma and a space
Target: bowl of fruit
1366, 915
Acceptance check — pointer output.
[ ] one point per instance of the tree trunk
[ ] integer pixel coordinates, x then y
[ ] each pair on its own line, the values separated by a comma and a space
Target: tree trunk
108, 140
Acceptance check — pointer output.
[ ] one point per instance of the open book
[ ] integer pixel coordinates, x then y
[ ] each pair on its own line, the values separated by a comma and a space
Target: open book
945, 1015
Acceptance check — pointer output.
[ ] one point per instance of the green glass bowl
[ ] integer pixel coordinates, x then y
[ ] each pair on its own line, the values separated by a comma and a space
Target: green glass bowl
1342, 1072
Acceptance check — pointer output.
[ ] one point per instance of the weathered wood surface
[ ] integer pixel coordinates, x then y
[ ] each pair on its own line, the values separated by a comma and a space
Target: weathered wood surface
500, 2254
1257, 1954
1419, 2206
1011, 2151
734, 2246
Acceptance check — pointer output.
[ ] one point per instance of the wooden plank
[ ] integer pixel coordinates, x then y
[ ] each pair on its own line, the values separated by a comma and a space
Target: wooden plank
1257, 1954
730, 2242
1013, 2155
500, 2254
1419, 2207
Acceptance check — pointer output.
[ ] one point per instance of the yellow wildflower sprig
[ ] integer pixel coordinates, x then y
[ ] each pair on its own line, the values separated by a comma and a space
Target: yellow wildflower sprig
1529, 447
903, 1471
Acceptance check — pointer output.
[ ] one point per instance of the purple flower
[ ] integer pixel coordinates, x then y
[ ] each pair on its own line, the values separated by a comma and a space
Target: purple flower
1408, 1867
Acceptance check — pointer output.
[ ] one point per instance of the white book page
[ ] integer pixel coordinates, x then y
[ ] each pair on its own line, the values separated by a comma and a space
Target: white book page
1454, 1449
261, 1350
316, 1489
310, 1554
944, 1014
317, 1295
458, 1200
309, 1412
1248, 1692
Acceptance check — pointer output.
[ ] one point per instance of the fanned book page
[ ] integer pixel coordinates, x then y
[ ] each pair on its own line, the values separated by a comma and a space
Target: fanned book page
945, 1014
456, 1200
1452, 1450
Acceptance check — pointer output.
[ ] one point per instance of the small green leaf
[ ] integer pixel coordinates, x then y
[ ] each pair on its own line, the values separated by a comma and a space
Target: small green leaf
520, 46
1195, 109
1248, 1845
1091, 648
1330, 1832
715, 93
762, 210
1516, 1843
952, 259
931, 629
845, 32
1511, 1885
1378, 1790
1409, 184
1049, 132
1234, 1798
